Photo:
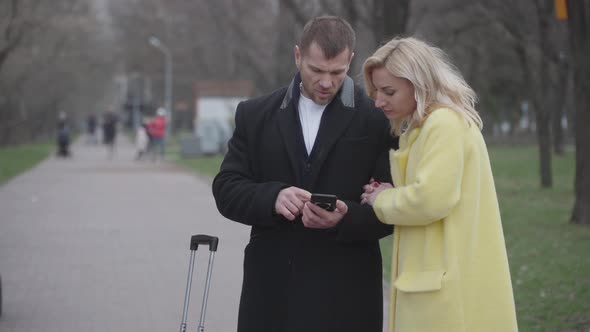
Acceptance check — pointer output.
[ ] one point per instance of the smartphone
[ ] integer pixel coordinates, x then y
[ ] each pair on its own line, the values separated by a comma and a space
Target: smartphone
325, 201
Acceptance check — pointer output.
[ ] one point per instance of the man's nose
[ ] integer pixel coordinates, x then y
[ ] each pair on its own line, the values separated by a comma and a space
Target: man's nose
325, 83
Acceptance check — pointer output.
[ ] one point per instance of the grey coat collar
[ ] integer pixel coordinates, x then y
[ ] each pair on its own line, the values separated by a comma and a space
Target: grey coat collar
346, 94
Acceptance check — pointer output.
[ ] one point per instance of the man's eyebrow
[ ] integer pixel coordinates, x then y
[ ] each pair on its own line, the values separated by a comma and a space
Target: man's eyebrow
315, 68
338, 70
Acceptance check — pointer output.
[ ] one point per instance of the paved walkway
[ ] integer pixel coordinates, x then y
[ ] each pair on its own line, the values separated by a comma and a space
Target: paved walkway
92, 244
97, 244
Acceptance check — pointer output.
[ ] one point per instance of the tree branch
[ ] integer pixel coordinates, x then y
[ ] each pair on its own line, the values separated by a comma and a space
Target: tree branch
292, 6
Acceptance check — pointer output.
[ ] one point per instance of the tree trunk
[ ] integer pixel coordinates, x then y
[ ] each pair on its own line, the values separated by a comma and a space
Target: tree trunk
560, 106
391, 18
351, 15
581, 212
544, 140
542, 107
285, 58
377, 22
542, 118
558, 141
395, 17
579, 26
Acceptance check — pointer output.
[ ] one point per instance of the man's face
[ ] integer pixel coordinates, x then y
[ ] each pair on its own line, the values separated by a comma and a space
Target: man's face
321, 77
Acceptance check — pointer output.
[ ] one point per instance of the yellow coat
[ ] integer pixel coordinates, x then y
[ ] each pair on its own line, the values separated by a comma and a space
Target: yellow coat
449, 264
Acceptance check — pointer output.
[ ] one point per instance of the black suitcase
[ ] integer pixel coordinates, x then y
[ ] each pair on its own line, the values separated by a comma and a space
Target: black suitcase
196, 240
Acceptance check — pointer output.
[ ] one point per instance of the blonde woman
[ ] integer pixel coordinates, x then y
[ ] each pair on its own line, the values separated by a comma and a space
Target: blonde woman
449, 268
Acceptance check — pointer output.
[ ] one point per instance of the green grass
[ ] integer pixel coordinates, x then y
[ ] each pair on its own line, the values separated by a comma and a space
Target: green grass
549, 258
17, 159
204, 165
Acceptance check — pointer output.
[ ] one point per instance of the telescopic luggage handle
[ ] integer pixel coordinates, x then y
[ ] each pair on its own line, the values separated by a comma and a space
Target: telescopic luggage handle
196, 240
211, 241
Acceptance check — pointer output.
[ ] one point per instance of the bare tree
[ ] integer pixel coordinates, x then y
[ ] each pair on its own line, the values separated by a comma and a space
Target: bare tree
290, 21
541, 106
579, 28
395, 17
561, 86
534, 41
14, 24
51, 62
86, 44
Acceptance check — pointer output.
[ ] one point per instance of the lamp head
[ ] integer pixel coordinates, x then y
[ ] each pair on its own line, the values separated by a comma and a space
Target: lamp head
155, 41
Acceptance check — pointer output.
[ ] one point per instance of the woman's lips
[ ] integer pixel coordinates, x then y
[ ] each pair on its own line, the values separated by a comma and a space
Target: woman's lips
388, 112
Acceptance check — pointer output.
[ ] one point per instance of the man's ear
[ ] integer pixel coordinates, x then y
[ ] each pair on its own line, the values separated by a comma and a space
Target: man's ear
351, 57
297, 53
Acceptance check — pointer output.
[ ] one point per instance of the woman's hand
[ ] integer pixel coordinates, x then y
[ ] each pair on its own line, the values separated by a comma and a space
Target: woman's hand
372, 190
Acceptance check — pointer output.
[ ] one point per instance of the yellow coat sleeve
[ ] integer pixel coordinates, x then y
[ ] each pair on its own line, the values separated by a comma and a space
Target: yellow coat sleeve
433, 188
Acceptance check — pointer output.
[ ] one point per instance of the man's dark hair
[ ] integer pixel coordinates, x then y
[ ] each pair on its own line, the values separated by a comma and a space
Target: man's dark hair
332, 34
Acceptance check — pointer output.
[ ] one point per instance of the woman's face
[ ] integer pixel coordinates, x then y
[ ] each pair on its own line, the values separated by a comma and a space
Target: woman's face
393, 95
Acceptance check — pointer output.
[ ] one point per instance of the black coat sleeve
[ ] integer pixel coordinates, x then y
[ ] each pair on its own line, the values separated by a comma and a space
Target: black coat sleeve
360, 222
238, 195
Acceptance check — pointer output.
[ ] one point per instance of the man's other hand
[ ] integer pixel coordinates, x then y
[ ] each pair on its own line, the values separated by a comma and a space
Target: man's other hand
290, 202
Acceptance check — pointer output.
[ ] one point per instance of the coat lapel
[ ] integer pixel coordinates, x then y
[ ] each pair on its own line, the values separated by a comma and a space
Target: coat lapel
336, 119
399, 158
288, 127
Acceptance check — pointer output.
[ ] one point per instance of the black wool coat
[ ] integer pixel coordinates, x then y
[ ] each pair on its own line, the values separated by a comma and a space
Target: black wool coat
298, 279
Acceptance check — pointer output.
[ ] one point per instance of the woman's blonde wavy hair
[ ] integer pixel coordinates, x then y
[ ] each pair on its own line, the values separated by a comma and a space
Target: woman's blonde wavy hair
437, 83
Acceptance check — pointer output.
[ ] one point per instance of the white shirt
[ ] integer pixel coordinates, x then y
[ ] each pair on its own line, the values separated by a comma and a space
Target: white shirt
310, 115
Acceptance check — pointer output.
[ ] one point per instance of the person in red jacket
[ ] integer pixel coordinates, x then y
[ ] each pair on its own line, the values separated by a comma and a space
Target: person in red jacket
157, 133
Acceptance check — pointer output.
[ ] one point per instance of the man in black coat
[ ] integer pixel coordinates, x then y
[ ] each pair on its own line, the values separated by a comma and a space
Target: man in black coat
307, 269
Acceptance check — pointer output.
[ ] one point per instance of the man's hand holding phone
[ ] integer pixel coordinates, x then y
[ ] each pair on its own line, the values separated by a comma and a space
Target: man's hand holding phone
323, 211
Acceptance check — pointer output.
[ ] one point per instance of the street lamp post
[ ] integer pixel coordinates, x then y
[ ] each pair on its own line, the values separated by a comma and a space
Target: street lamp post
168, 79
133, 84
